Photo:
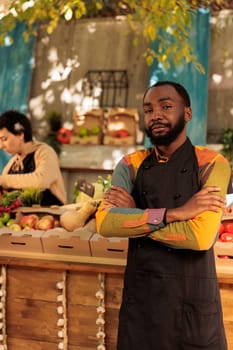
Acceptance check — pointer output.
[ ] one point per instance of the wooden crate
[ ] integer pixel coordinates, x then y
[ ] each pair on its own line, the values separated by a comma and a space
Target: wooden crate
87, 119
224, 254
118, 119
224, 250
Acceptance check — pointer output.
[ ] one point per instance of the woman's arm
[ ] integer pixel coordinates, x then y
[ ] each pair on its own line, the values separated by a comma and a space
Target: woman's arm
45, 173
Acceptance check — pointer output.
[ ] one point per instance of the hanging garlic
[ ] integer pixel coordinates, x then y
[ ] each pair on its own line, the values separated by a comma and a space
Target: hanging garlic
60, 285
61, 346
100, 309
62, 312
59, 298
99, 294
100, 335
100, 321
60, 322
3, 336
60, 334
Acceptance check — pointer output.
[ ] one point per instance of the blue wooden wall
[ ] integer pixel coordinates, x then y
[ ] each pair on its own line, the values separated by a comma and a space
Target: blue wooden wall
195, 82
16, 62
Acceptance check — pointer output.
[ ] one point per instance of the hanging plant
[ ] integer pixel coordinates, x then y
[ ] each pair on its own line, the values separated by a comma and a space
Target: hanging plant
54, 120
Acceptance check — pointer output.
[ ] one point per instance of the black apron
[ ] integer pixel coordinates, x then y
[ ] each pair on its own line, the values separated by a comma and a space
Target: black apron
48, 197
171, 296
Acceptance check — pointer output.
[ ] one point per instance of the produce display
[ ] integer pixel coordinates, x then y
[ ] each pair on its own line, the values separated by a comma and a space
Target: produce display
21, 210
73, 219
226, 231
121, 133
224, 245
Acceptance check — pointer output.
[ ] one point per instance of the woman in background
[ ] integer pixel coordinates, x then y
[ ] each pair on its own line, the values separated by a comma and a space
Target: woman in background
33, 164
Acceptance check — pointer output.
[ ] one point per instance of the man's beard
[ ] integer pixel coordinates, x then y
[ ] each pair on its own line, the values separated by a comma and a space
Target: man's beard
170, 136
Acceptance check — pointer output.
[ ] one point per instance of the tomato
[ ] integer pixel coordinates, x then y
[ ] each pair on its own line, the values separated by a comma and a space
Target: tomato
63, 135
228, 225
120, 133
226, 237
221, 228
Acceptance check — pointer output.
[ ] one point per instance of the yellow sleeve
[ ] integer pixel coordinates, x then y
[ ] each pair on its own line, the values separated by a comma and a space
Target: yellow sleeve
200, 232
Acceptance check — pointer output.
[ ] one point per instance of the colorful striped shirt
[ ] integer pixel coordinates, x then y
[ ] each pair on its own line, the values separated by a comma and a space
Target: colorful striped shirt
198, 233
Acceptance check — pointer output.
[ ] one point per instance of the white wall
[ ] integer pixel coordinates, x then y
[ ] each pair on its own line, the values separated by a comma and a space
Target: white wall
98, 44
79, 46
220, 101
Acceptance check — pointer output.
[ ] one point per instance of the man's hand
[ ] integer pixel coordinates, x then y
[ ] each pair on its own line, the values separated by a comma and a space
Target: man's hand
205, 199
116, 196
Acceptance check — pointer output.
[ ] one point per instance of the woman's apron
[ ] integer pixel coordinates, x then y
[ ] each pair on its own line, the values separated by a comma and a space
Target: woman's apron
48, 198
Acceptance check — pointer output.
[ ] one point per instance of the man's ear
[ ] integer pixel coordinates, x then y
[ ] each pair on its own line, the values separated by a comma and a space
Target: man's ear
187, 114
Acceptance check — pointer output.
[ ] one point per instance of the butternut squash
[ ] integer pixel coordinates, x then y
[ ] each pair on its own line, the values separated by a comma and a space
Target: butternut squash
73, 219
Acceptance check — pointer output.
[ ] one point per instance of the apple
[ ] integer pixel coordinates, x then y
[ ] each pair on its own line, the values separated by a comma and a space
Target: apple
10, 222
15, 227
95, 130
46, 222
29, 221
5, 217
83, 132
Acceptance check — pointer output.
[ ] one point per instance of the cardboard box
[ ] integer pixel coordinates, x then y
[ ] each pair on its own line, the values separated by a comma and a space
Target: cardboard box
108, 247
60, 241
21, 241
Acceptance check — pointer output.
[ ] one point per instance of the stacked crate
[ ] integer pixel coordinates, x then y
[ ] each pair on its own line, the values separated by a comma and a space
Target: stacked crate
122, 126
88, 127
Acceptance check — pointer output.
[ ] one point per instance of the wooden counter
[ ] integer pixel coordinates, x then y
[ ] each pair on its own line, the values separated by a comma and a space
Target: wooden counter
34, 281
32, 317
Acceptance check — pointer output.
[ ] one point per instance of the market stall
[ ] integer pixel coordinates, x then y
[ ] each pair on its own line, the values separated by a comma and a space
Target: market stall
62, 288
64, 301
